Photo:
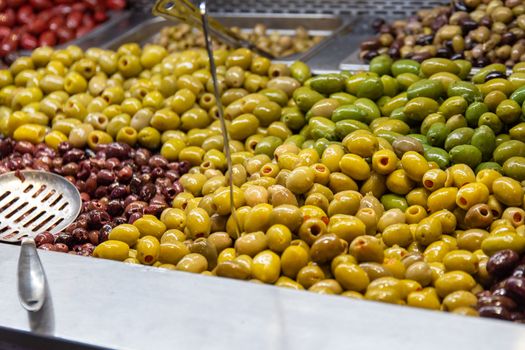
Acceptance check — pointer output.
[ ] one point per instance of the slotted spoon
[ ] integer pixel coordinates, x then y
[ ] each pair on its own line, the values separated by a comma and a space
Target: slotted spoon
33, 202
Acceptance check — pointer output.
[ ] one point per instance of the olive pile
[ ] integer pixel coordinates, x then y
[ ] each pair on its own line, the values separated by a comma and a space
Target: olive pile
182, 37
394, 185
481, 31
117, 185
505, 298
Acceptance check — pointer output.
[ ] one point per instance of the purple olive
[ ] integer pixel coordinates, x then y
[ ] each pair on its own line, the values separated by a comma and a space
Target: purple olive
516, 285
502, 263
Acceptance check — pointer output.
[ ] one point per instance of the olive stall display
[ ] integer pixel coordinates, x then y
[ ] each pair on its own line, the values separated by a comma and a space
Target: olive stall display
27, 24
397, 184
181, 37
481, 31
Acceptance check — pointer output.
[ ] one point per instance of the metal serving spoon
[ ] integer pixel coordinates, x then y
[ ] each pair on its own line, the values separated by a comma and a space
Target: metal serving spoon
33, 202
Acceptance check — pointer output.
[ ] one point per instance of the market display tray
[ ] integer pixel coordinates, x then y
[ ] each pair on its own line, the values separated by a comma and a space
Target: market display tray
327, 26
121, 306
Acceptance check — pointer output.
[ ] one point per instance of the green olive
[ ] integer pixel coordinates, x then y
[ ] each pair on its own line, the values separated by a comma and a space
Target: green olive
351, 277
454, 281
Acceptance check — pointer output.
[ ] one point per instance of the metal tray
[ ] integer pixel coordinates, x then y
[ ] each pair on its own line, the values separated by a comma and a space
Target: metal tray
363, 31
327, 26
89, 299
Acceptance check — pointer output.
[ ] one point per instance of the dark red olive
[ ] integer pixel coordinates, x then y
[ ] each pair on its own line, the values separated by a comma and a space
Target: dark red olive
517, 316
497, 300
9, 44
74, 19
101, 191
62, 9
80, 7
118, 150
43, 238
134, 217
125, 174
105, 177
158, 161
115, 207
97, 219
25, 15
24, 147
8, 18
493, 311
184, 167
519, 271
92, 4
56, 22
74, 155
82, 30
142, 156
502, 263
154, 209
65, 238
4, 31
100, 16
15, 3
119, 192
37, 26
88, 21
516, 285
47, 246
116, 4
64, 34
70, 169
80, 235
61, 247
63, 147
87, 249
6, 147
147, 192
47, 38
41, 4
112, 163
135, 207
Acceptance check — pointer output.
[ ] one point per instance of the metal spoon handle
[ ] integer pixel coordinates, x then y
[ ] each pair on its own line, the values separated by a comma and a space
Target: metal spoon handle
213, 70
31, 279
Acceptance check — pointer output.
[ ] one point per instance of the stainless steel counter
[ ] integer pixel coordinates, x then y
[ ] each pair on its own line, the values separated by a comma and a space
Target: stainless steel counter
116, 305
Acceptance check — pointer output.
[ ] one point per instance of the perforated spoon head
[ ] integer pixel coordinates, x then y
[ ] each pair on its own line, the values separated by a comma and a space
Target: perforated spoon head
35, 201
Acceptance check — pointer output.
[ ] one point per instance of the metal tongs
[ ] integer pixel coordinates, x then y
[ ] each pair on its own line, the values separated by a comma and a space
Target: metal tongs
186, 11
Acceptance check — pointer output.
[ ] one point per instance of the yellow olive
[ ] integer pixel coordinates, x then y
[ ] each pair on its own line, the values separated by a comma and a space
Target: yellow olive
126, 233
112, 249
150, 225
148, 250
266, 266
